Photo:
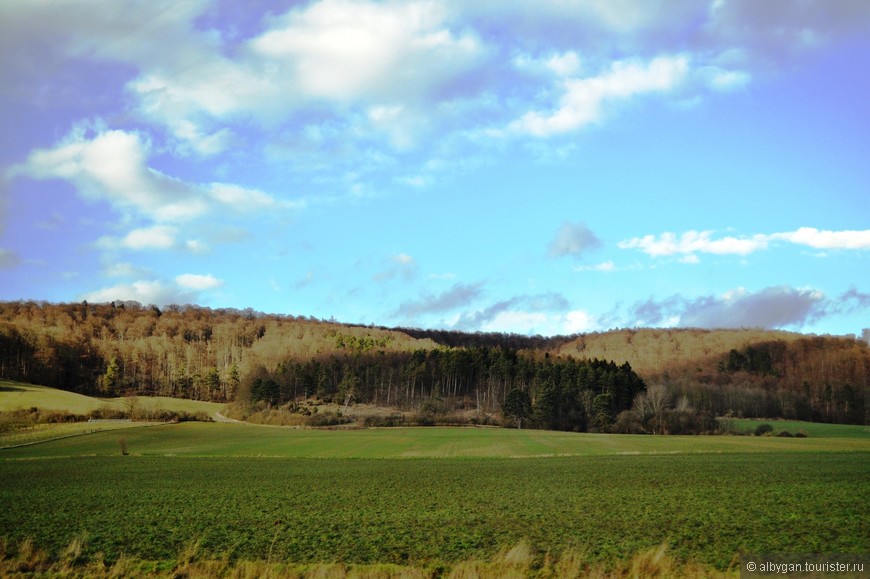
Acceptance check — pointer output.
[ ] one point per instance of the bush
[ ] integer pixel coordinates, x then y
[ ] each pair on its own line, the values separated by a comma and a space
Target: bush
627, 422
763, 429
800, 434
107, 413
382, 421
328, 419
785, 434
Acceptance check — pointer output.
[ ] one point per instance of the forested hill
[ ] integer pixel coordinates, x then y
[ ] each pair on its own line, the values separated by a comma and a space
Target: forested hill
225, 354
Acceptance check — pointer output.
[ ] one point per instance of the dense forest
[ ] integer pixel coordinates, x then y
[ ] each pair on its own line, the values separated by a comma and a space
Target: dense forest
574, 382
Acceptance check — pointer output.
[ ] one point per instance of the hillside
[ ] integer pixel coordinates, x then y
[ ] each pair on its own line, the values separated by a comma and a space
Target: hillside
574, 382
652, 351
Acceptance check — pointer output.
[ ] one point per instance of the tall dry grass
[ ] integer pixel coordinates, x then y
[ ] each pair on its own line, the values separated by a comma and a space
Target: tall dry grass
517, 562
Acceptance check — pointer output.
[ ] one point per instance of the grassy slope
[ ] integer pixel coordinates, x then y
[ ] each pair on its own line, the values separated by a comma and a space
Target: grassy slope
238, 440
15, 395
812, 429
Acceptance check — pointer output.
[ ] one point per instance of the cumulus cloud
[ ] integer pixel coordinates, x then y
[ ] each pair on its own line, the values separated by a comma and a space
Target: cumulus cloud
111, 166
142, 291
342, 49
184, 289
198, 282
573, 239
693, 242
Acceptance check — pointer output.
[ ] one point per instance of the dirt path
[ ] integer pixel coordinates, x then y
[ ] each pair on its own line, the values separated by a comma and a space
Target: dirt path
218, 417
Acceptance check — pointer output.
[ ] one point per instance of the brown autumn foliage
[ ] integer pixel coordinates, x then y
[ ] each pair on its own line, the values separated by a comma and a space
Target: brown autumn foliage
201, 353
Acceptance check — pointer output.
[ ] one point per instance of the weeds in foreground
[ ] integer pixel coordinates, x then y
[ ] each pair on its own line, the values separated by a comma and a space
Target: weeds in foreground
517, 562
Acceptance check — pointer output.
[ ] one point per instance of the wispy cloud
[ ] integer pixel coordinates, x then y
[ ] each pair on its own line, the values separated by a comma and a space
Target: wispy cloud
400, 265
460, 295
8, 258
583, 100
546, 314
694, 242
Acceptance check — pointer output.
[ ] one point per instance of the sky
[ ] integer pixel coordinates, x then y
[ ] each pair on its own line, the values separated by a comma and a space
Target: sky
536, 166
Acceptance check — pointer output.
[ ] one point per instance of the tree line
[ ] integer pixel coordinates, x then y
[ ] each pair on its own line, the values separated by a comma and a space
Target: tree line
571, 394
226, 354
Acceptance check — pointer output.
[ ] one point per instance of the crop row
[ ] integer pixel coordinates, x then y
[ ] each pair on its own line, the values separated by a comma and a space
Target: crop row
706, 507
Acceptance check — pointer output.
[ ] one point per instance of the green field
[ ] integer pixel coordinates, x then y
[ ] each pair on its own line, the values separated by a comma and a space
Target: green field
813, 429
429, 497
17, 395
706, 507
243, 440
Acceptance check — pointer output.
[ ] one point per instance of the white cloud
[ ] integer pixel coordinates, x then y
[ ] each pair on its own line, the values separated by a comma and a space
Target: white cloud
566, 64
146, 292
156, 237
186, 289
583, 100
531, 322
123, 269
111, 166
404, 259
578, 321
605, 266
240, 198
823, 239
196, 246
724, 80
693, 242
198, 282
345, 50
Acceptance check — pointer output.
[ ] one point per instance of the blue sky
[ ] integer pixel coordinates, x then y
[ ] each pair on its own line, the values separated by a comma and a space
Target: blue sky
535, 166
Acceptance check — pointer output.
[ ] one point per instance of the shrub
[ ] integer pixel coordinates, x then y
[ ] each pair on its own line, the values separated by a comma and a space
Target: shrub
627, 422
328, 419
785, 434
763, 429
391, 420
107, 413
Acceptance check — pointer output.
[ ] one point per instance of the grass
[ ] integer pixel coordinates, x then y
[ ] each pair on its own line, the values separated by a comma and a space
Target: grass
242, 440
516, 562
40, 433
704, 507
17, 395
206, 499
812, 429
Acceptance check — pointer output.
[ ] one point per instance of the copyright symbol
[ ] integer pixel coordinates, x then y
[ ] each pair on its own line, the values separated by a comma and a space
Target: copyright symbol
750, 566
